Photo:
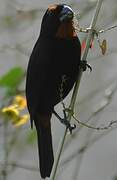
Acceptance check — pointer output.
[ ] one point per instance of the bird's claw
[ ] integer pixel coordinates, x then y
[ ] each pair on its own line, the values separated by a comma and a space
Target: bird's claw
68, 125
64, 121
71, 127
84, 65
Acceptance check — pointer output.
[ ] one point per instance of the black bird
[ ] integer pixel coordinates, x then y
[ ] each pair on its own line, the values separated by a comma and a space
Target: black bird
52, 71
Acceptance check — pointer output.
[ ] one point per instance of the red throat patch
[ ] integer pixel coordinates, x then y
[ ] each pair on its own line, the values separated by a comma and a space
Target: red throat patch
66, 30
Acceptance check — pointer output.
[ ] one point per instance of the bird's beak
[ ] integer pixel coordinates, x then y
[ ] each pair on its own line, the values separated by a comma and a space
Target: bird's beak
66, 14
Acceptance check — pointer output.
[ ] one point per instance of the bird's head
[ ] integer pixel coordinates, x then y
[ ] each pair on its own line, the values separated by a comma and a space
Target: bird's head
58, 22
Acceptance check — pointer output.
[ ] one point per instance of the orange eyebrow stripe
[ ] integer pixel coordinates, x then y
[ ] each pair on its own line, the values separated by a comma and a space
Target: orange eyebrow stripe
52, 7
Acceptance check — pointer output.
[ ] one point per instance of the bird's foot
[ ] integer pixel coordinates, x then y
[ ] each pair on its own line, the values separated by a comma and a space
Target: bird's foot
84, 65
64, 121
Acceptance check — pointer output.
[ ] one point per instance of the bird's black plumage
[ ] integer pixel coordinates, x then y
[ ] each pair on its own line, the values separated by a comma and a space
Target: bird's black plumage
55, 55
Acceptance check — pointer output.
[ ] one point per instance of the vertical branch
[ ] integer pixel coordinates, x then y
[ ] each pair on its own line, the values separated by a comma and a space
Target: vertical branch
5, 141
90, 36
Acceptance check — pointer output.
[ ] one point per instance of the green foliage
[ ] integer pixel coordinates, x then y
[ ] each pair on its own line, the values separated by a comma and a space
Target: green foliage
115, 178
8, 20
31, 137
12, 78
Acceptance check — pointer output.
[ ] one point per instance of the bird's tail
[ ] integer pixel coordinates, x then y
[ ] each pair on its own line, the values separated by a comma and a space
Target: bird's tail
46, 157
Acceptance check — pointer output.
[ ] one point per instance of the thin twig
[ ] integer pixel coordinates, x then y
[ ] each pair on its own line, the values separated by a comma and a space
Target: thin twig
80, 29
100, 107
75, 91
111, 123
88, 144
21, 166
107, 29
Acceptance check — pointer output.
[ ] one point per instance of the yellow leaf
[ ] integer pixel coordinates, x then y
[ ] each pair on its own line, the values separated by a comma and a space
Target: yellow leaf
11, 111
103, 46
20, 101
22, 120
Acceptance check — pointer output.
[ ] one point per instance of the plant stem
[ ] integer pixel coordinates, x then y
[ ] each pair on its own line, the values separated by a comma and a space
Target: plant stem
4, 170
107, 29
90, 36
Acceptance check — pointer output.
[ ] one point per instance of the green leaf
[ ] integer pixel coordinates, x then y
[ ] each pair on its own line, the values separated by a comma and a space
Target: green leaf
12, 78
